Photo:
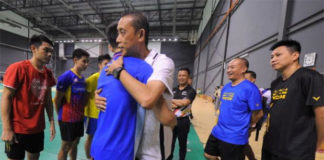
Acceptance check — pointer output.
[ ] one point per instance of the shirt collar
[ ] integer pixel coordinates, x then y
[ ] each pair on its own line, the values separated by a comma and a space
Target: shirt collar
150, 58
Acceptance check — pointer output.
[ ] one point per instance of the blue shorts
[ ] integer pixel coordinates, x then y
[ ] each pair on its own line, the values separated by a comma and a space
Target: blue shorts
91, 125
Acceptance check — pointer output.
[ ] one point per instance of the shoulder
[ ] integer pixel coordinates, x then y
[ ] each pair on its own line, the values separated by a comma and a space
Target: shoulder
191, 89
65, 75
162, 58
93, 77
18, 65
307, 73
276, 81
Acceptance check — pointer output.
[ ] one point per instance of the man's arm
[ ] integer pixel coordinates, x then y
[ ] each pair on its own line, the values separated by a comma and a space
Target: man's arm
181, 102
319, 120
146, 95
58, 100
6, 108
256, 115
49, 111
163, 113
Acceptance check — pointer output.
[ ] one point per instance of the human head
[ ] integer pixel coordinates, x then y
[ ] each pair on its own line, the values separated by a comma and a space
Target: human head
236, 68
133, 31
1, 79
80, 58
103, 60
42, 48
112, 34
190, 80
250, 75
183, 76
284, 54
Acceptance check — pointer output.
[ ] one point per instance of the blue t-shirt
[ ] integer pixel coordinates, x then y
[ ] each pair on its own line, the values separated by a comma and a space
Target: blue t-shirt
74, 101
115, 135
237, 104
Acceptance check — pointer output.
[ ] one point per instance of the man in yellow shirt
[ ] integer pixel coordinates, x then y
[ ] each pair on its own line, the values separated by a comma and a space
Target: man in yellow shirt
90, 111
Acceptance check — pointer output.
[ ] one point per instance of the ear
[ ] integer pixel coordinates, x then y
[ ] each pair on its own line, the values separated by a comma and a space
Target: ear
141, 35
33, 48
74, 60
296, 56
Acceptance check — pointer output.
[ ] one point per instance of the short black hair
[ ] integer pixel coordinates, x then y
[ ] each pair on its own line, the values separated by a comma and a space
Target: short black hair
139, 22
185, 69
245, 61
253, 74
112, 34
1, 78
79, 53
292, 45
37, 40
103, 57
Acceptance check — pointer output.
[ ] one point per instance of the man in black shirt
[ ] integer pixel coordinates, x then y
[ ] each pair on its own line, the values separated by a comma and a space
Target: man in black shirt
296, 123
183, 96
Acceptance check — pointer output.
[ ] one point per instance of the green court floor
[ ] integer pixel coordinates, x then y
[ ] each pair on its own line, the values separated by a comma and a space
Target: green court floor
195, 148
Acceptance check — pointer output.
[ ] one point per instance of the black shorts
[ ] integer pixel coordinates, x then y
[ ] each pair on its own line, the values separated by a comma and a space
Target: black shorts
32, 143
71, 130
226, 151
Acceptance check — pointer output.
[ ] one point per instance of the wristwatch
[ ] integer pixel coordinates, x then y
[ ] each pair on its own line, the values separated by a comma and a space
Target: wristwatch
116, 72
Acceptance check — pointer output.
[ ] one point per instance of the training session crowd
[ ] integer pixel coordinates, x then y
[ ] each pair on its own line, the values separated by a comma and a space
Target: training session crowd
130, 109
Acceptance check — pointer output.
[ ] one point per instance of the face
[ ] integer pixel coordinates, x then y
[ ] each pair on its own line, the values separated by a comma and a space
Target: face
183, 77
128, 39
190, 81
282, 57
235, 70
43, 53
103, 64
81, 63
249, 77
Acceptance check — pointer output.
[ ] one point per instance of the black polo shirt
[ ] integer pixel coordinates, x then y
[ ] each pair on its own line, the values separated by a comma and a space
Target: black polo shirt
186, 93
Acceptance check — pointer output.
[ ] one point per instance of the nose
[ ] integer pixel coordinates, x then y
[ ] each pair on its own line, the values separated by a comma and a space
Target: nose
118, 40
272, 60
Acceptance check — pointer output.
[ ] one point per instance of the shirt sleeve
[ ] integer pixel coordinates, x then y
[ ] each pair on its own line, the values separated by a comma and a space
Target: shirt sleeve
13, 76
63, 82
163, 70
254, 99
313, 84
191, 95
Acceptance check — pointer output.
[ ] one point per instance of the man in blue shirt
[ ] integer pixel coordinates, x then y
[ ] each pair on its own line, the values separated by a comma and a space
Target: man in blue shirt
240, 109
115, 134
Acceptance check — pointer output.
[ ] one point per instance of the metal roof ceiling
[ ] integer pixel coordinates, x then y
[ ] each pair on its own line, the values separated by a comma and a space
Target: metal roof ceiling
88, 18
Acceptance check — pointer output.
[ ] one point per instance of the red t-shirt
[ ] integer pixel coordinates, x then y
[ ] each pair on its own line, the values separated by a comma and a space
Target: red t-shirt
28, 102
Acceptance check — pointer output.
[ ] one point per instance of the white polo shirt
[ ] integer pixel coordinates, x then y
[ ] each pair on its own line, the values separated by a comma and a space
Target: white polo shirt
156, 138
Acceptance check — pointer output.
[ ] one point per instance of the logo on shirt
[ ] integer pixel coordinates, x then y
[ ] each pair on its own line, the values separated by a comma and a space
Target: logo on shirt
184, 93
228, 96
279, 94
38, 89
75, 80
316, 98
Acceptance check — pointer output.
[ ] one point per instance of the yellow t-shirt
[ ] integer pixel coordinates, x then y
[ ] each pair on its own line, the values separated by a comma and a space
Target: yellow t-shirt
90, 109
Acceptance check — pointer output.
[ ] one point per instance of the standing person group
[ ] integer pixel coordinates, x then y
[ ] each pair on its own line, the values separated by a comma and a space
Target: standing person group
136, 100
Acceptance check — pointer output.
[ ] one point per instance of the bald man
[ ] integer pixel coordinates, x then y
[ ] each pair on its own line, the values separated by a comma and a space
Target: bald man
240, 109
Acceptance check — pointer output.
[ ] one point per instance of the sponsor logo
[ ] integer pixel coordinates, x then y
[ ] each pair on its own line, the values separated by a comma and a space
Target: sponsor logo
316, 98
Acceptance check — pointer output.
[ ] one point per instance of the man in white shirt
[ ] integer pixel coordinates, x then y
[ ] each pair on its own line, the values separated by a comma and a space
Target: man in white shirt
155, 96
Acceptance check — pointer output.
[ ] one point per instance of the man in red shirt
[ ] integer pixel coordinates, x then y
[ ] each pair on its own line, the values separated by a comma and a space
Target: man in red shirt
26, 93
